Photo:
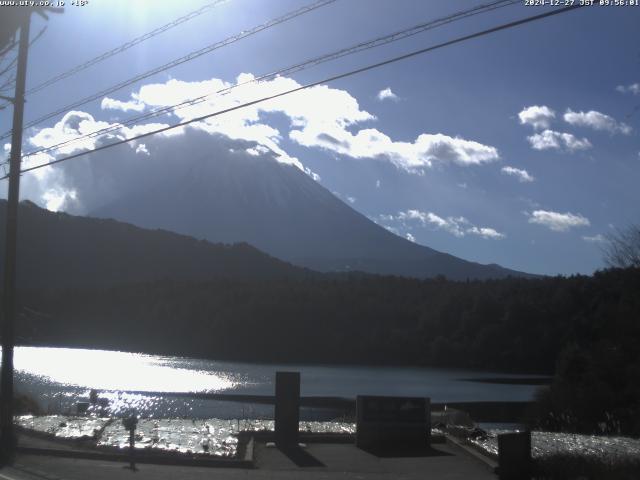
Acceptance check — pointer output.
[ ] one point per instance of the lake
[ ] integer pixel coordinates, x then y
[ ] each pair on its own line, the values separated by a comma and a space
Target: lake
59, 377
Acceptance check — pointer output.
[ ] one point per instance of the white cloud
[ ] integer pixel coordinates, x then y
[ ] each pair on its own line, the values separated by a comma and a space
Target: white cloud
103, 177
485, 232
111, 104
456, 226
552, 140
453, 225
573, 143
378, 183
633, 88
320, 104
410, 237
75, 124
521, 175
538, 116
245, 126
599, 238
175, 91
142, 148
387, 94
386, 218
351, 200
320, 118
596, 121
412, 157
257, 150
58, 199
558, 222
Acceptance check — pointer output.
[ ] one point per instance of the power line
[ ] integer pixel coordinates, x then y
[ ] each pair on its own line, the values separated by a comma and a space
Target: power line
379, 41
125, 46
11, 63
8, 67
12, 78
191, 56
10, 46
312, 84
376, 42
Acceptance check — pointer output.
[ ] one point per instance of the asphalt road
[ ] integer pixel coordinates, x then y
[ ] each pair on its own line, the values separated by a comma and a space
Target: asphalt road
317, 461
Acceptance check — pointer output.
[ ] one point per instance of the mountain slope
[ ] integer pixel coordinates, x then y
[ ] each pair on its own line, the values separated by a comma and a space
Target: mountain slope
60, 250
281, 211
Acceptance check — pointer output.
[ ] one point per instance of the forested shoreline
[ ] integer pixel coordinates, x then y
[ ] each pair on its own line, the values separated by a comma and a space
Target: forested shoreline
588, 326
510, 325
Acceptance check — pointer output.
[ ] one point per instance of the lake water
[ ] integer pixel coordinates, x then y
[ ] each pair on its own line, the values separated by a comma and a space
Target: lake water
59, 377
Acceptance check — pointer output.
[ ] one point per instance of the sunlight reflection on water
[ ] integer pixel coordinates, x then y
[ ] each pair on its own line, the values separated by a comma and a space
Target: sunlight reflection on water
164, 386
58, 378
107, 370
211, 436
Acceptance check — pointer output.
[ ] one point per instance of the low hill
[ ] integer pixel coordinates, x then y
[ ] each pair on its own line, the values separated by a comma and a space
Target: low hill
61, 250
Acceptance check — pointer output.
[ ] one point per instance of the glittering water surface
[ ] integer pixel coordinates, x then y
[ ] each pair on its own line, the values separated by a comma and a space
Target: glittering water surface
57, 378
544, 444
211, 436
64, 427
60, 377
109, 370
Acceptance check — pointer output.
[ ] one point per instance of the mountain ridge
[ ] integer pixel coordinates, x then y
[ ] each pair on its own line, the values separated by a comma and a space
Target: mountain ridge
56, 249
282, 211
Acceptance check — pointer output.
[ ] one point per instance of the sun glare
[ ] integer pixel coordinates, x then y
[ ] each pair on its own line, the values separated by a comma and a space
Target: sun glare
107, 370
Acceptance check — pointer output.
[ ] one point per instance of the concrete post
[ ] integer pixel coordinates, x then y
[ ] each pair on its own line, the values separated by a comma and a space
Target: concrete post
514, 456
130, 422
287, 411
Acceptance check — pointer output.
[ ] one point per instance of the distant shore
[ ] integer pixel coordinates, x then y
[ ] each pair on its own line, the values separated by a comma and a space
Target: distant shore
539, 380
482, 411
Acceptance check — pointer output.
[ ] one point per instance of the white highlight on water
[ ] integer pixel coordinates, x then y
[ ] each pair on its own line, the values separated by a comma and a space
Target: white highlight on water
109, 370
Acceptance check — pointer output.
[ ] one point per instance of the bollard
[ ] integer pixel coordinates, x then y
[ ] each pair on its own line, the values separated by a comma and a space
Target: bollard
130, 422
514, 456
287, 411
82, 408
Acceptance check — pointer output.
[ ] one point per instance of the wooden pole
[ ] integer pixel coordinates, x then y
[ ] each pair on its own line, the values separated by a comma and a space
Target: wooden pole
7, 435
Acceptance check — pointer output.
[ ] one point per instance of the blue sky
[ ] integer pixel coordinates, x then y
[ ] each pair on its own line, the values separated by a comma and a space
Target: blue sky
520, 148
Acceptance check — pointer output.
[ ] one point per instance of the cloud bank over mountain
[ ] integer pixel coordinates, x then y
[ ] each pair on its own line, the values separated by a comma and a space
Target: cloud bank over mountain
320, 117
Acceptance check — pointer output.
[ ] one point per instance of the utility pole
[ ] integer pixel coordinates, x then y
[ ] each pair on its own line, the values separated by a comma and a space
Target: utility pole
7, 435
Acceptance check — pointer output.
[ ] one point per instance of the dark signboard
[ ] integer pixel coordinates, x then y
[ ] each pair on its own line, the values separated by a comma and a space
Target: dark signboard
393, 423
394, 409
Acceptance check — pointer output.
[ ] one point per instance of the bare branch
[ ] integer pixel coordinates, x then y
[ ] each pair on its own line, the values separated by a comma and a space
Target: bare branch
623, 248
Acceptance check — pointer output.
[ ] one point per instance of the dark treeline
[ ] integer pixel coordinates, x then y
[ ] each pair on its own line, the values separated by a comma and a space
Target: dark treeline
588, 326
55, 248
513, 324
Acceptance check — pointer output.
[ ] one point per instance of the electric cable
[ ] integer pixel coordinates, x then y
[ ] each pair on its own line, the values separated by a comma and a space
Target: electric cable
191, 56
366, 68
376, 42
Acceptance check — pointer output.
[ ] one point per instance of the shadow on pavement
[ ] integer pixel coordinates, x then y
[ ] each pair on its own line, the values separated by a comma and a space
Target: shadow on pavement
407, 452
300, 457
